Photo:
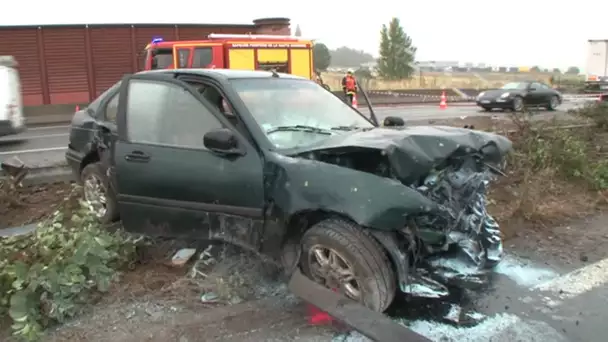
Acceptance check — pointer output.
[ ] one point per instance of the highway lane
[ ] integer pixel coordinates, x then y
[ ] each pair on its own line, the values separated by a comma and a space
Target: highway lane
45, 146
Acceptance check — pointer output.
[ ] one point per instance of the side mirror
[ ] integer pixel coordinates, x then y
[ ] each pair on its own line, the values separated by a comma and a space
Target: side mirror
221, 140
393, 121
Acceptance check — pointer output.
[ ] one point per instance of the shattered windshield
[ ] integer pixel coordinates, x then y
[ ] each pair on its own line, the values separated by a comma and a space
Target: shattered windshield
515, 85
295, 113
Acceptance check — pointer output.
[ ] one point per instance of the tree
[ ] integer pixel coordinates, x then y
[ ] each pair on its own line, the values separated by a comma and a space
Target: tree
365, 75
535, 69
321, 56
557, 71
573, 70
298, 31
396, 52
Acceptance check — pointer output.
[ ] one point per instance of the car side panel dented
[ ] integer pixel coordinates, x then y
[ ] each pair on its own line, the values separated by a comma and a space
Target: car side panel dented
298, 185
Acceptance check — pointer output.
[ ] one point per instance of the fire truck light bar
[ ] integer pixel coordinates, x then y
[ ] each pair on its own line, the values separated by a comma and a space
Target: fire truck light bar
157, 40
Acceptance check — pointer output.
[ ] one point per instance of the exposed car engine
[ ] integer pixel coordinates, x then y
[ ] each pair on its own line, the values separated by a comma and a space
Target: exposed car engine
460, 190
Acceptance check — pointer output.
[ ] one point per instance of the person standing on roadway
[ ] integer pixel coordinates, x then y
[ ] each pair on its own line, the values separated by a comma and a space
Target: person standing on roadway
349, 86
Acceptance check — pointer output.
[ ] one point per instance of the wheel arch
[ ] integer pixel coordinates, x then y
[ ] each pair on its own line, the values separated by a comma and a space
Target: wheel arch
301, 221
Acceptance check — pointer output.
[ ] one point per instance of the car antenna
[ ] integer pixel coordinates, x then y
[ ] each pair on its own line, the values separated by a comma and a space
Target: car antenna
274, 73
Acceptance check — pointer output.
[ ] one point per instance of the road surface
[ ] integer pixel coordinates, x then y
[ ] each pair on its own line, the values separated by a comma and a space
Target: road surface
45, 146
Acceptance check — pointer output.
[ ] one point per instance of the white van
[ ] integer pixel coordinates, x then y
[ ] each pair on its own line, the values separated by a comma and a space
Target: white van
11, 105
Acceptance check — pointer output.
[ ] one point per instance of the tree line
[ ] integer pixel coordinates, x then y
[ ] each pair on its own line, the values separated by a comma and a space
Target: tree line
397, 56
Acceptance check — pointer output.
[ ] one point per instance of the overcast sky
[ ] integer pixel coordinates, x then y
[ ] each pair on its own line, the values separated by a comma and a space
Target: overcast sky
514, 32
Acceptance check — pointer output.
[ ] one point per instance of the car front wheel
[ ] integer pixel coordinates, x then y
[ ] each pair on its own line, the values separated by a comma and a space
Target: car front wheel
553, 103
518, 104
341, 256
97, 194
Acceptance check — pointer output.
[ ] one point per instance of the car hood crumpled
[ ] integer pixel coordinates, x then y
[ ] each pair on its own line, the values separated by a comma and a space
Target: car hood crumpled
414, 151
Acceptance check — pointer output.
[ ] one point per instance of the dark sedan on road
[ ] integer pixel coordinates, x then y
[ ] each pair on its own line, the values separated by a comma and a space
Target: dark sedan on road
518, 95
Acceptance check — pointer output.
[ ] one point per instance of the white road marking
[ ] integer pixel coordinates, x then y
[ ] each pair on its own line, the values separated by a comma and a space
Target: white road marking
577, 282
42, 136
38, 150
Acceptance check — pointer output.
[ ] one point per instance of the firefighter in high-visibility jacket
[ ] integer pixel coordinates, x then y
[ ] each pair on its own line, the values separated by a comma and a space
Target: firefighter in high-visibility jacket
349, 86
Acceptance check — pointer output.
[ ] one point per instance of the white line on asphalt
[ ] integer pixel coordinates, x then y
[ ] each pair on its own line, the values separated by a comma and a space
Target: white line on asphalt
46, 127
577, 282
38, 150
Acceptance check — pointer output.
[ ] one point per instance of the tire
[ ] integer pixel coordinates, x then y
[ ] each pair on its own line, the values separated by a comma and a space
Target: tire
553, 103
518, 104
373, 274
487, 109
95, 173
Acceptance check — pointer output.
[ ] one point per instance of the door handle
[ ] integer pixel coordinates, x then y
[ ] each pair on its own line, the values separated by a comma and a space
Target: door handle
137, 157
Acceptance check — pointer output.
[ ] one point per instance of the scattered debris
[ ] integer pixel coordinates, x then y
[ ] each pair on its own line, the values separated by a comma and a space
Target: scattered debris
182, 256
210, 297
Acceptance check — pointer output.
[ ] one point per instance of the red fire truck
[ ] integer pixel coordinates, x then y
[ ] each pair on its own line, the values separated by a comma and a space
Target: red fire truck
234, 51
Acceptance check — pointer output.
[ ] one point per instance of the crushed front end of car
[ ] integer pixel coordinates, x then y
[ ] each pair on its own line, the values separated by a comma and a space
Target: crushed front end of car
452, 239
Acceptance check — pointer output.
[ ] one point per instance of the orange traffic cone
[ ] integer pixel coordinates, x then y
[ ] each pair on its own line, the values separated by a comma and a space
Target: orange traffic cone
443, 104
355, 103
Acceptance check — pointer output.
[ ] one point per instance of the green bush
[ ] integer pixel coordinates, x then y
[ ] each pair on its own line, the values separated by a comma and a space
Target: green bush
570, 152
47, 275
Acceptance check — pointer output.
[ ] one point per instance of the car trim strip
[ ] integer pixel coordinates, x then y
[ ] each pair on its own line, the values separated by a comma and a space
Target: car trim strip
188, 205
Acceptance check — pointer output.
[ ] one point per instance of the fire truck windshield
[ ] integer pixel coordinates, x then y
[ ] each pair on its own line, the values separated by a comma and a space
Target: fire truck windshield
161, 58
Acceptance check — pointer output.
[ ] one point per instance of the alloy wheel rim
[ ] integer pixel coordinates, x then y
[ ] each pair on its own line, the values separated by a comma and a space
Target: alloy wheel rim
553, 102
517, 104
95, 195
330, 268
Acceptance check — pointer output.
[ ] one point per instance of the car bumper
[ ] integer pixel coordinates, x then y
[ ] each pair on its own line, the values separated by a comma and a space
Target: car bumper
7, 128
495, 103
74, 160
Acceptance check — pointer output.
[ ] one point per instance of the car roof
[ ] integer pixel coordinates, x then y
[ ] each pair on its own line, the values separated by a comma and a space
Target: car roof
225, 73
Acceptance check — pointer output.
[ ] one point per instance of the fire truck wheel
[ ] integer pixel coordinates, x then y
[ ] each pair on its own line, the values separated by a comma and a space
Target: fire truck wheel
343, 257
98, 195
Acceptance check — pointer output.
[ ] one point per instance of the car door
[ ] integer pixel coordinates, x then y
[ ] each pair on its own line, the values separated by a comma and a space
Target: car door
534, 94
545, 93
167, 182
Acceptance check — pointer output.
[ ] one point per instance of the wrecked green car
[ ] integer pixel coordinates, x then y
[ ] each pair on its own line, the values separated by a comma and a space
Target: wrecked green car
280, 166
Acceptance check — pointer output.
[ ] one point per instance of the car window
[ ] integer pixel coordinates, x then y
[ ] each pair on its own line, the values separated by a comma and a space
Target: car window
166, 114
544, 86
94, 106
183, 57
279, 102
202, 57
112, 109
536, 85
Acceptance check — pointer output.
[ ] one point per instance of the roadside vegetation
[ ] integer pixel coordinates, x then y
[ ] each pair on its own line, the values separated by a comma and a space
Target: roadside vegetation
47, 276
553, 173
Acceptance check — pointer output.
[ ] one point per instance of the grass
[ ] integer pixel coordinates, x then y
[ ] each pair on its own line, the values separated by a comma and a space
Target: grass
553, 174
435, 80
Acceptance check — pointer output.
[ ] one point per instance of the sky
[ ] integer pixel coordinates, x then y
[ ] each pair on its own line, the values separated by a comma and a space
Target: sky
512, 33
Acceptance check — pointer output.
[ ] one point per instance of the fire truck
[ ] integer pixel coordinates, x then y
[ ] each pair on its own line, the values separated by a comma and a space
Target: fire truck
234, 51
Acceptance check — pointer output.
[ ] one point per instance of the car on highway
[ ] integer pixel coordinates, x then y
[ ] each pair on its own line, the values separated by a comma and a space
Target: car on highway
276, 164
517, 96
11, 106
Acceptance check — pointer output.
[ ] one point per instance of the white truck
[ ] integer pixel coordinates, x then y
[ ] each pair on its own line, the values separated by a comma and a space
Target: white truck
597, 65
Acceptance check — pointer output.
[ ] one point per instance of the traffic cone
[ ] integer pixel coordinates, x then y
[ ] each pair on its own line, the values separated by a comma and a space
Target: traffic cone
443, 103
77, 107
355, 103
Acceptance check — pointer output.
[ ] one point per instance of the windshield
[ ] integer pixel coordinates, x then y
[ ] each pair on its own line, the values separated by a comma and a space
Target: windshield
515, 85
161, 58
295, 113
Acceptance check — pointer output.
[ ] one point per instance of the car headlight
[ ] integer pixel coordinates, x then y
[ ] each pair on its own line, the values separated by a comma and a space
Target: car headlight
505, 95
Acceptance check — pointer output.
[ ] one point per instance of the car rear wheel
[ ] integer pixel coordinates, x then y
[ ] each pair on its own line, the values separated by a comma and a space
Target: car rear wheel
343, 257
97, 194
553, 103
518, 104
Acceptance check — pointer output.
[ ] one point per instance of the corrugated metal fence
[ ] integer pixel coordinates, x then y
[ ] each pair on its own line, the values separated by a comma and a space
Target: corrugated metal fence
74, 64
